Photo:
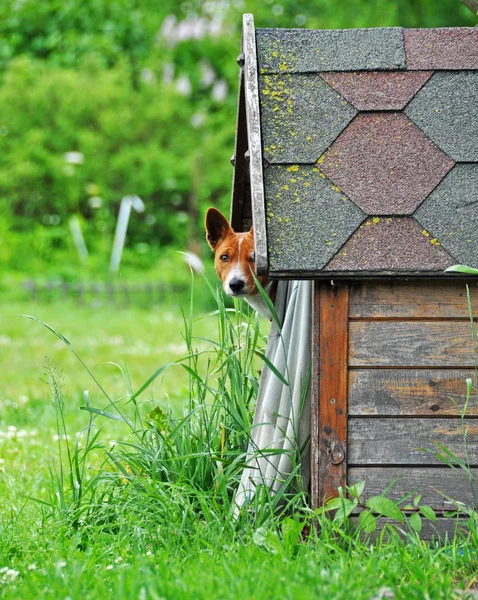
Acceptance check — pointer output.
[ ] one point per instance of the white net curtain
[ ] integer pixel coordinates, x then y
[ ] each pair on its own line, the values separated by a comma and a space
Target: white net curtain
280, 439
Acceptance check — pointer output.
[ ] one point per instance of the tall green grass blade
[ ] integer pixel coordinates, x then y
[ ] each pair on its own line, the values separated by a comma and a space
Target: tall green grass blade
272, 367
270, 305
462, 269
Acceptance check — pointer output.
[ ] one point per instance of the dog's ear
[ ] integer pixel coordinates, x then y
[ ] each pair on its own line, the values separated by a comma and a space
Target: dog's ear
251, 231
217, 227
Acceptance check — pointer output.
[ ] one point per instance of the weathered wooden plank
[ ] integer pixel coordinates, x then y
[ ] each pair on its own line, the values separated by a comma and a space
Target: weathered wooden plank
315, 400
408, 299
410, 392
400, 441
410, 344
430, 531
426, 481
332, 430
253, 118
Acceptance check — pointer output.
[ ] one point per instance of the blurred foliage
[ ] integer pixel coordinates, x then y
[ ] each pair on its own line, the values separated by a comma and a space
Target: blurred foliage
146, 92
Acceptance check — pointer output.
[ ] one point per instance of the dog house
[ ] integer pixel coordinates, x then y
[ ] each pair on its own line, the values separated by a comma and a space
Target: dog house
356, 160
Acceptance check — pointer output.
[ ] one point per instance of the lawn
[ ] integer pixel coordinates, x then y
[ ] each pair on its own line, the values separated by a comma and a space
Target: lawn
145, 509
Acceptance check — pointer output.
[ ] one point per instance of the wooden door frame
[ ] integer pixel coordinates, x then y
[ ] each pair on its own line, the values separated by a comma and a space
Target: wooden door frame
329, 390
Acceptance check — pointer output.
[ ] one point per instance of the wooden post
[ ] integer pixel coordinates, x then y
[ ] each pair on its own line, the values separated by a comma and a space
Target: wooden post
329, 437
253, 118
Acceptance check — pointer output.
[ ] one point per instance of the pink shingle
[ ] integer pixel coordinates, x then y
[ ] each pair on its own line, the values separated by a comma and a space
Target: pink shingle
385, 164
451, 48
390, 244
378, 90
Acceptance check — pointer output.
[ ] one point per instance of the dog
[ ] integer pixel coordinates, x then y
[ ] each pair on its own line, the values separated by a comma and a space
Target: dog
235, 262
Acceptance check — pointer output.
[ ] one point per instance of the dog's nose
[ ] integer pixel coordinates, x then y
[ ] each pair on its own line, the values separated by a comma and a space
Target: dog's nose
236, 285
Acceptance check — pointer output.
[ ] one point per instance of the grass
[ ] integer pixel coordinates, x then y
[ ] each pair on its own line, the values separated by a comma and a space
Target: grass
132, 496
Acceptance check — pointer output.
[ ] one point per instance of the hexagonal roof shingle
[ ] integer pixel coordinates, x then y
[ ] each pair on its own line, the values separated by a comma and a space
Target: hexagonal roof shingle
391, 244
370, 141
378, 90
385, 164
446, 109
444, 48
301, 116
308, 218
450, 213
312, 50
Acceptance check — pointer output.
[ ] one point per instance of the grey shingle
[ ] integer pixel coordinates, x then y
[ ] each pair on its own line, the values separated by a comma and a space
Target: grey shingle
446, 109
308, 218
301, 116
309, 51
450, 214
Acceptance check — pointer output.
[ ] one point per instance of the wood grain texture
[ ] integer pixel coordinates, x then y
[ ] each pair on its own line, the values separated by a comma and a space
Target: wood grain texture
255, 144
332, 429
410, 392
410, 299
315, 400
426, 482
410, 344
401, 441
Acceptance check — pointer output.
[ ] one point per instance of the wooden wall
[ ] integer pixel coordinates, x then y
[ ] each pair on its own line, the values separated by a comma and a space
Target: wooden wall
390, 366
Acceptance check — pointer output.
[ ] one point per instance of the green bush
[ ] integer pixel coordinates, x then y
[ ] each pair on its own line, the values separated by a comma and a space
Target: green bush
130, 141
89, 77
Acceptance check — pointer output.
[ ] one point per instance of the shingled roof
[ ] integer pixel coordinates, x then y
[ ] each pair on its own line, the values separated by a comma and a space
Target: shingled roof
363, 150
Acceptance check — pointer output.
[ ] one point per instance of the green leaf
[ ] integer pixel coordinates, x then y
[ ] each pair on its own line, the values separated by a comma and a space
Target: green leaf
428, 513
333, 504
357, 489
416, 522
449, 514
461, 269
344, 511
268, 540
416, 500
386, 507
367, 522
291, 530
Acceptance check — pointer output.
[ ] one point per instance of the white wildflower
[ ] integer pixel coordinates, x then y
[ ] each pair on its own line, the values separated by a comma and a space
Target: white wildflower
10, 575
95, 202
147, 75
74, 158
183, 85
197, 119
208, 75
219, 91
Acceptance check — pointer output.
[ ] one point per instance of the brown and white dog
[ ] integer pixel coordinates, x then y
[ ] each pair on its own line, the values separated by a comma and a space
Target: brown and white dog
234, 261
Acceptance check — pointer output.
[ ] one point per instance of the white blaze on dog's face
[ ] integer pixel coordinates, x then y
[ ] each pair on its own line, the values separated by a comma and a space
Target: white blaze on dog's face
234, 255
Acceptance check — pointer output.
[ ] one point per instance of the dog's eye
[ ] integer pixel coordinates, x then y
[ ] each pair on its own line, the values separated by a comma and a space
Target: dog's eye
224, 257
252, 257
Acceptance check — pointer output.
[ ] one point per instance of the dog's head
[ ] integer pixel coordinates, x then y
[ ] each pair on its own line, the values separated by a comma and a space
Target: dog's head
234, 255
